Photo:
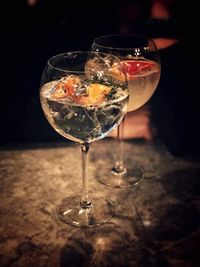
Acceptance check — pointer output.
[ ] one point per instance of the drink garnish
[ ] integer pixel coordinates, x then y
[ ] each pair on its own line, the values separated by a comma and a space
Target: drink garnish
131, 68
66, 87
137, 67
95, 93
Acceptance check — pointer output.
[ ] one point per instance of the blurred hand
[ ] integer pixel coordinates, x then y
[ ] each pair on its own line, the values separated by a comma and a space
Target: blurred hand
137, 125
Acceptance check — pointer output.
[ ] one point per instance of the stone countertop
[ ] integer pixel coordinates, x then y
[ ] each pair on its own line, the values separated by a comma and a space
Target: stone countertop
156, 223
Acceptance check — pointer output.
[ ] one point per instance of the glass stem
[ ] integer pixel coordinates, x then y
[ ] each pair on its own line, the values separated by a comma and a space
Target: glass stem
85, 202
119, 164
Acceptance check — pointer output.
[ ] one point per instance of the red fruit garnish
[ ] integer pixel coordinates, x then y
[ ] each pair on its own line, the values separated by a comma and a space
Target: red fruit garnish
135, 67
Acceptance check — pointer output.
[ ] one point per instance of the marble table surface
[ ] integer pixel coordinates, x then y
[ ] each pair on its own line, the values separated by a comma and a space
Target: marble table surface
156, 223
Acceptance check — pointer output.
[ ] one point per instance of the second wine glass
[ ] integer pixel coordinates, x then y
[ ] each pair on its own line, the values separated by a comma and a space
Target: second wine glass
141, 62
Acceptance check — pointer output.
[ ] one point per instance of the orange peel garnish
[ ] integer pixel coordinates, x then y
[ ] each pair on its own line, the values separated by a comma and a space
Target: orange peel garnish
66, 87
97, 92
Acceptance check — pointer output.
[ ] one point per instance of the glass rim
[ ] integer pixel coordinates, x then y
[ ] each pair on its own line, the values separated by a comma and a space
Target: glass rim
141, 37
68, 53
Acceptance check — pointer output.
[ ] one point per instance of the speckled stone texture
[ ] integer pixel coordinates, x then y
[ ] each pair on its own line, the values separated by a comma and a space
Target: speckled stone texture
156, 223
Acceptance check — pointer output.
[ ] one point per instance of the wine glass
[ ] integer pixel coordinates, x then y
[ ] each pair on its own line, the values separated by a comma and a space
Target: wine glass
83, 101
141, 62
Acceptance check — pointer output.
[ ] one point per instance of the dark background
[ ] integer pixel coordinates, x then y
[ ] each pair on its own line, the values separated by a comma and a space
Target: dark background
30, 34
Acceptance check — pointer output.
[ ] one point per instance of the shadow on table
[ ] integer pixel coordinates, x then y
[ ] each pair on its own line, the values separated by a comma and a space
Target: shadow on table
176, 230
107, 246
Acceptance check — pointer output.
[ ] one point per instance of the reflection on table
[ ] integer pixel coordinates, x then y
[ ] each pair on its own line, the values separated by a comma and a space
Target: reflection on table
156, 223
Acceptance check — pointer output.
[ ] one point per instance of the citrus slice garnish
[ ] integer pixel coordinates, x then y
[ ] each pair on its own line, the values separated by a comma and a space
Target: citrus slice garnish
66, 87
97, 92
137, 67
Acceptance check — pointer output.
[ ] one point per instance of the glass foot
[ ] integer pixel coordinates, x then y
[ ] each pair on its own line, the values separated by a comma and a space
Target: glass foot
100, 211
116, 179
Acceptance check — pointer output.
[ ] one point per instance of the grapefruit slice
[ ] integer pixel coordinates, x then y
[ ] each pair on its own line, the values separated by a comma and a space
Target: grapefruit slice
137, 67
